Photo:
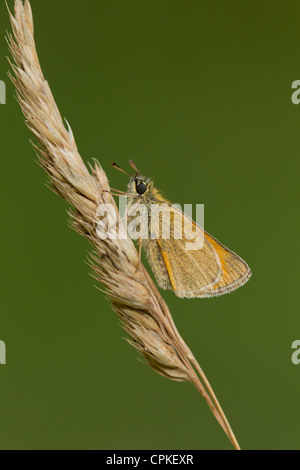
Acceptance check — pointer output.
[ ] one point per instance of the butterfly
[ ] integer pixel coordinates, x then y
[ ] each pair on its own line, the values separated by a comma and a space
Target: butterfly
202, 268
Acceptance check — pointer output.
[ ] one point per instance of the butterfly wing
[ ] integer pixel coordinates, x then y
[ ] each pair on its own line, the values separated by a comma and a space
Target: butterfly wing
235, 272
190, 261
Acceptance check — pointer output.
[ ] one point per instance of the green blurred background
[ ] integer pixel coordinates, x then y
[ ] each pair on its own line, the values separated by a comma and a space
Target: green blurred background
199, 95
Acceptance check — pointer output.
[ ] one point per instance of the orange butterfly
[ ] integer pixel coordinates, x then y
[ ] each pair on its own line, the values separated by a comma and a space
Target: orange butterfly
207, 269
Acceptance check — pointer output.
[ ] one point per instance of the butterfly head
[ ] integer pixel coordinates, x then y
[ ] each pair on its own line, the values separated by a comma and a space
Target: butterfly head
139, 185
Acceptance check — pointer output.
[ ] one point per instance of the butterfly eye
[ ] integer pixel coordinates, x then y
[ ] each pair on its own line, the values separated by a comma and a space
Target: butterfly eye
141, 188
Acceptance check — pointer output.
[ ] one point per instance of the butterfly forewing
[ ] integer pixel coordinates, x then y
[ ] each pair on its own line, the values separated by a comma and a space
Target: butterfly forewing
188, 260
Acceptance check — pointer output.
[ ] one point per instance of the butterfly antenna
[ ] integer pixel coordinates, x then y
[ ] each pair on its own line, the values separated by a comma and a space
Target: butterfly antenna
120, 169
133, 165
